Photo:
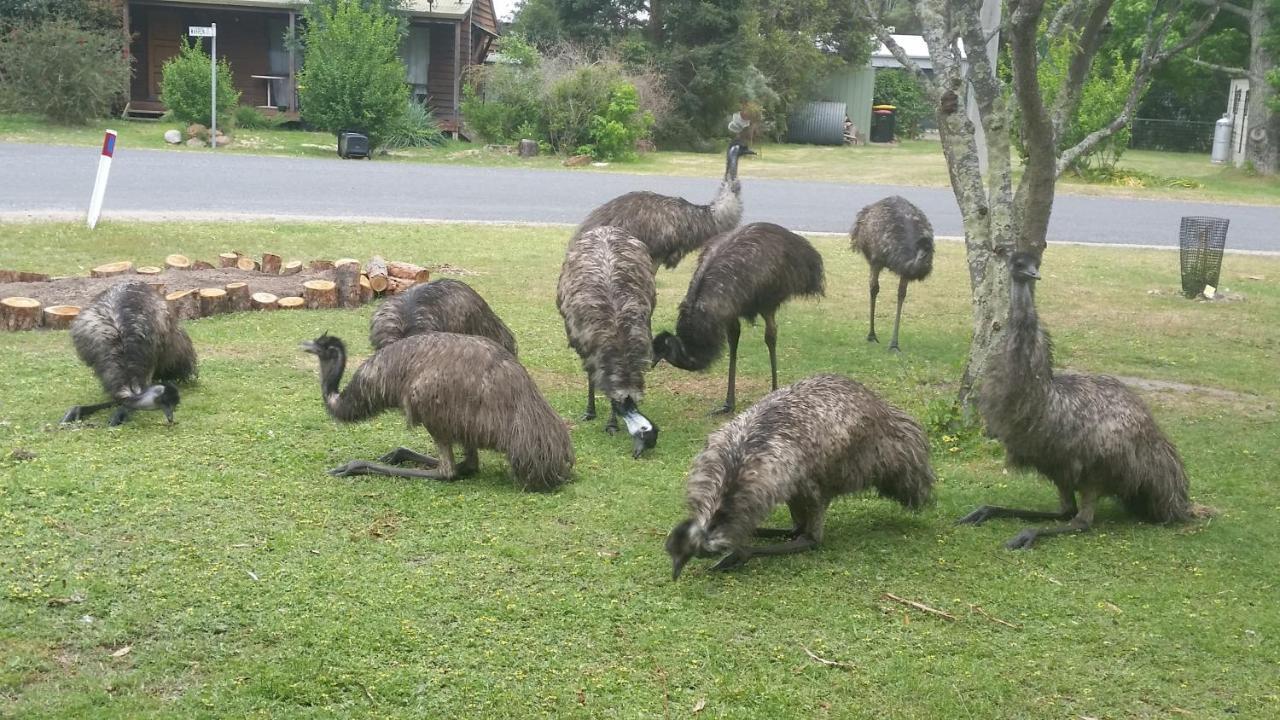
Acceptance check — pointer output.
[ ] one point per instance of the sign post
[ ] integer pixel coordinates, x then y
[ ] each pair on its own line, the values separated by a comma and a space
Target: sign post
210, 32
100, 182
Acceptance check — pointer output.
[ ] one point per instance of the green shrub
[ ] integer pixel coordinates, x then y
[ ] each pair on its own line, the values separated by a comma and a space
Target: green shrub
503, 103
251, 118
352, 77
901, 89
65, 72
185, 90
416, 127
614, 134
573, 102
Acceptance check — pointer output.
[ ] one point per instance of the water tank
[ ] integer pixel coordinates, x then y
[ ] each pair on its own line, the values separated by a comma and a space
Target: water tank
817, 123
1221, 140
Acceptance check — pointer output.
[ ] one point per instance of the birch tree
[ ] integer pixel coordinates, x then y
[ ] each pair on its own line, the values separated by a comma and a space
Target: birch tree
1002, 215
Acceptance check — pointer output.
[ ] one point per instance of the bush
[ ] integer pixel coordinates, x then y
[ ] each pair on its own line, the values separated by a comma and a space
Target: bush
251, 118
614, 134
65, 72
502, 103
416, 127
900, 88
184, 88
352, 76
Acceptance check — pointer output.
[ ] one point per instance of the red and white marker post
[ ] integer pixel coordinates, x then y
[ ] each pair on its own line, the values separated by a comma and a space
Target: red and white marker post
100, 183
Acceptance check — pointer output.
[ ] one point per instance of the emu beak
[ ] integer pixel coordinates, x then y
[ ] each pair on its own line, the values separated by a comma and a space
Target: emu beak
638, 445
168, 414
644, 434
1035, 274
677, 564
309, 346
748, 151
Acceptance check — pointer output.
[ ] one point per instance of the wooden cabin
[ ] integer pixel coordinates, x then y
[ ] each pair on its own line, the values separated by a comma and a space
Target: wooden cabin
445, 37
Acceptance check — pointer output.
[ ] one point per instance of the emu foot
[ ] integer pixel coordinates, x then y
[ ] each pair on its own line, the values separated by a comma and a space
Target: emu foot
1023, 540
871, 337
353, 468
612, 427
402, 455
895, 349
735, 559
723, 409
979, 516
72, 415
119, 416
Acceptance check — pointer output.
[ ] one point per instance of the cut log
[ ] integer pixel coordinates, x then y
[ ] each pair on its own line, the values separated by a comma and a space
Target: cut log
366, 290
59, 317
397, 285
320, 294
293, 302
112, 269
178, 262
346, 261
158, 287
148, 270
201, 265
376, 269
19, 313
183, 304
213, 301
408, 271
270, 263
9, 276
347, 278
293, 267
321, 265
228, 259
237, 296
247, 264
263, 301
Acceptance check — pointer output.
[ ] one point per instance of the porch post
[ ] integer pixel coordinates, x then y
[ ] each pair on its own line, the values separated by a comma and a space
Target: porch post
293, 81
457, 77
128, 50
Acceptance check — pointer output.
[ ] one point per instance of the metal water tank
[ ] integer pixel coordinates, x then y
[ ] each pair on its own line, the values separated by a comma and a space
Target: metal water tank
1221, 140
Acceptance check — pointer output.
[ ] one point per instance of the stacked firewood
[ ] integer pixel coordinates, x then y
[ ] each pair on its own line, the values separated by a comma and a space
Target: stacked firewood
346, 284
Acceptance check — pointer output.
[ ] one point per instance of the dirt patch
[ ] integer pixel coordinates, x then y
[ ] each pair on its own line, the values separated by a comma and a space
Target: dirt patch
81, 291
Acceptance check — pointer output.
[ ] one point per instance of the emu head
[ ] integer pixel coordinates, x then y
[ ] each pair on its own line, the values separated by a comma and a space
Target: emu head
643, 432
325, 347
685, 541
1024, 267
163, 397
737, 149
333, 362
665, 347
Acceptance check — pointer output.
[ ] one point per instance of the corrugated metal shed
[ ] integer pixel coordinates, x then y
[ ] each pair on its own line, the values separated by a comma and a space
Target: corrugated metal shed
854, 87
817, 123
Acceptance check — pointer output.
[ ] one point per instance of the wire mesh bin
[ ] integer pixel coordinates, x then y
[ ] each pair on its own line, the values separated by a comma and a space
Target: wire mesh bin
1201, 241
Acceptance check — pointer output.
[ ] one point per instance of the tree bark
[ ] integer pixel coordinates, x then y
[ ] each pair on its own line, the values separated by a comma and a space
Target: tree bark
1262, 144
320, 294
271, 263
376, 270
213, 301
9, 276
347, 279
408, 271
237, 296
183, 304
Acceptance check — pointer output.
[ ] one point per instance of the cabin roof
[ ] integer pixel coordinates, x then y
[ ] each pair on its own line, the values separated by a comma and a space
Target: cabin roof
415, 8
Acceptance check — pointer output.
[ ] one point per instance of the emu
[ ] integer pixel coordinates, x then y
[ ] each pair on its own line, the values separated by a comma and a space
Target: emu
1088, 434
463, 390
137, 350
443, 305
893, 233
672, 227
803, 445
606, 295
747, 273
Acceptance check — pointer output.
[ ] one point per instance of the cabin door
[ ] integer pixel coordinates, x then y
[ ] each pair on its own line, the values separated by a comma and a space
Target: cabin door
165, 34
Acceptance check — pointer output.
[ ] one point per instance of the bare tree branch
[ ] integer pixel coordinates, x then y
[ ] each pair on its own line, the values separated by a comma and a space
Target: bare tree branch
1229, 7
883, 35
1067, 16
1087, 44
1034, 199
1220, 68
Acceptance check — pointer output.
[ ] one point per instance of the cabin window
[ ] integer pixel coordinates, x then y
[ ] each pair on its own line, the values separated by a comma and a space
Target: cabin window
416, 53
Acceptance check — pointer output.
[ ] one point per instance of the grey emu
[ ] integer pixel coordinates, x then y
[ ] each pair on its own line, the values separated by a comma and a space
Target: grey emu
137, 350
672, 227
803, 445
443, 305
892, 233
1088, 434
606, 295
746, 273
462, 389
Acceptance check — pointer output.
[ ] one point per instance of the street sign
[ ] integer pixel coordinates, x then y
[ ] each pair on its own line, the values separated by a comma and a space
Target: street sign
200, 31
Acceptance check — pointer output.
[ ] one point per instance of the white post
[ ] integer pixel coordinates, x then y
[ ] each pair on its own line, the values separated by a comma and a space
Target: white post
100, 182
213, 95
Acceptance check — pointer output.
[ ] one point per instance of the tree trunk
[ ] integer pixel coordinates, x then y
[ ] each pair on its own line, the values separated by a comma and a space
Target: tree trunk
1262, 145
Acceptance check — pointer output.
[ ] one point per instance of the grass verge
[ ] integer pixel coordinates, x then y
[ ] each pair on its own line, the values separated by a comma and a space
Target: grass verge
213, 569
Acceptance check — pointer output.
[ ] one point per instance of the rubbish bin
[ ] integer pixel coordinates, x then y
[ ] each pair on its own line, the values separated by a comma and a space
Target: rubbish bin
1201, 241
882, 123
352, 144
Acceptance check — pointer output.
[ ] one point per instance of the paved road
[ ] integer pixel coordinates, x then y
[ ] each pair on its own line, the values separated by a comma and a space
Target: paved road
44, 180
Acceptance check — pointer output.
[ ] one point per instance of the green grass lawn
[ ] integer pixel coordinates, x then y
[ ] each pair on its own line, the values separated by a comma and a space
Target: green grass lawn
213, 569
912, 163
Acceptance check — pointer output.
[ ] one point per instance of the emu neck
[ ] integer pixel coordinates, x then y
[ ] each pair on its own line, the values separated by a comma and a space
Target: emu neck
1028, 354
700, 338
330, 377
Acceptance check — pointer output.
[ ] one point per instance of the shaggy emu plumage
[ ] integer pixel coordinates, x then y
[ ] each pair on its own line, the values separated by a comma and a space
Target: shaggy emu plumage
746, 273
137, 350
1088, 434
444, 305
672, 227
606, 296
892, 233
462, 389
803, 445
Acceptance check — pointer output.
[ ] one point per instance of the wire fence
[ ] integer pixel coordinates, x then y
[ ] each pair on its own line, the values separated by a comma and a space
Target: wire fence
1172, 135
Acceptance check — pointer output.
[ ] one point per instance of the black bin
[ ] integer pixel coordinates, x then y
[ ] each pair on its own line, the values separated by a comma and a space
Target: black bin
1201, 241
352, 144
883, 121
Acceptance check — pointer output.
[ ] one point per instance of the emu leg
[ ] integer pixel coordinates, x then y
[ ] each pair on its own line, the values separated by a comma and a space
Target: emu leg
470, 462
1066, 511
80, 412
444, 469
897, 319
875, 290
1082, 522
788, 533
590, 412
402, 455
611, 427
771, 341
739, 557
119, 416
734, 331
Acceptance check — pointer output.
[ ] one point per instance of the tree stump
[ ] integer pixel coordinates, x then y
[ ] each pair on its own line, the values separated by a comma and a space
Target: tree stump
270, 263
237, 296
9, 276
347, 278
158, 287
528, 148
183, 304
213, 301
408, 271
59, 317
397, 285
366, 290
228, 259
247, 264
293, 267
346, 261
320, 294
293, 302
376, 270
263, 301
148, 270
321, 265
112, 269
178, 262
19, 313
201, 265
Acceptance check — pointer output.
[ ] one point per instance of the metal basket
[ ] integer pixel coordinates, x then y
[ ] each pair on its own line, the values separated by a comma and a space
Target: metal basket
1201, 240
